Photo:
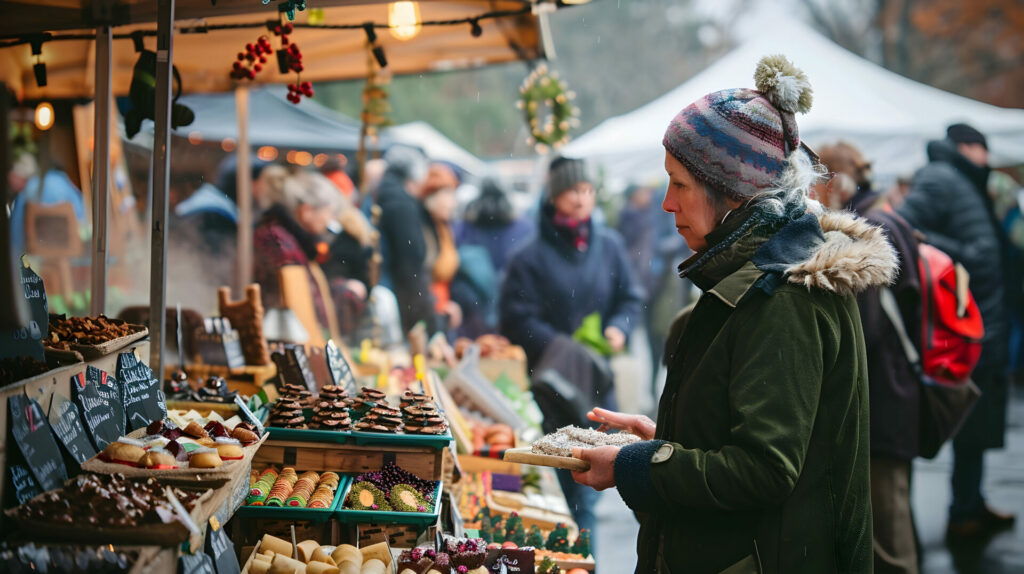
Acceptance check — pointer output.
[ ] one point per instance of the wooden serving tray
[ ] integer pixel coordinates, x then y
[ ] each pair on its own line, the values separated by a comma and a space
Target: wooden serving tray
90, 352
84, 533
526, 456
188, 477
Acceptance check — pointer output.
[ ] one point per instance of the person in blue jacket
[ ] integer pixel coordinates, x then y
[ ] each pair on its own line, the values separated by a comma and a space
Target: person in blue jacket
56, 188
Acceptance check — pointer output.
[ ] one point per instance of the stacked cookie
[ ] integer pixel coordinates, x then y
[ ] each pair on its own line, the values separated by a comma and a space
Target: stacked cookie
420, 414
367, 400
382, 418
287, 413
330, 411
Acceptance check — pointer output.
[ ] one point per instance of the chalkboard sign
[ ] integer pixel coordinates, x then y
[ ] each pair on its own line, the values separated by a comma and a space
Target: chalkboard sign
94, 411
32, 433
218, 546
233, 350
25, 486
341, 372
198, 563
318, 365
144, 402
28, 341
293, 367
109, 389
67, 425
247, 415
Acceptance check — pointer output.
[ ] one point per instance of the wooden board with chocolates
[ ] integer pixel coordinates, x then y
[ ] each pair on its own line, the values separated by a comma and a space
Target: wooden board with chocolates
209, 455
92, 337
115, 509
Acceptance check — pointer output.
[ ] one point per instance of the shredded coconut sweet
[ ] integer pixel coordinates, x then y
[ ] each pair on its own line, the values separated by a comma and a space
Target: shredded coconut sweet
562, 441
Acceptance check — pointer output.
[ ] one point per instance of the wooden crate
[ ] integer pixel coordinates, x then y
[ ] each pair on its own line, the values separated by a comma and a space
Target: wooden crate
424, 462
398, 535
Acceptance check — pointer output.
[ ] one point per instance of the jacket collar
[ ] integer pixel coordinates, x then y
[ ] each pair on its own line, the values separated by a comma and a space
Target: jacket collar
560, 237
833, 251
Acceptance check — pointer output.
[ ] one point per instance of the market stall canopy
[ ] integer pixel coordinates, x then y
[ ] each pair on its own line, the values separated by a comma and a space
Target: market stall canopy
204, 55
889, 117
306, 125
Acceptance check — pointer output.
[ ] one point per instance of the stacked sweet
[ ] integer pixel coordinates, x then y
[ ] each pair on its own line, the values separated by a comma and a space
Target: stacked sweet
421, 415
288, 489
287, 412
331, 410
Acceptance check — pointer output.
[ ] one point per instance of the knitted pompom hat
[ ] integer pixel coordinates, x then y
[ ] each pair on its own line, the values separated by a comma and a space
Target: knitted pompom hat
738, 140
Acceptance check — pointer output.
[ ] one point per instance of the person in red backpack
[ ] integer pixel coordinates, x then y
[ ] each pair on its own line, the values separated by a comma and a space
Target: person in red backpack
949, 203
893, 386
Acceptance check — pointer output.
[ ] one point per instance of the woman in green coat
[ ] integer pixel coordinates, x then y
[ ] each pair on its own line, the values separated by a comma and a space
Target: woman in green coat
758, 461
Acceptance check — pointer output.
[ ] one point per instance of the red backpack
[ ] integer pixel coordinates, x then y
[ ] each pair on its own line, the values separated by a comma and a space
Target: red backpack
951, 326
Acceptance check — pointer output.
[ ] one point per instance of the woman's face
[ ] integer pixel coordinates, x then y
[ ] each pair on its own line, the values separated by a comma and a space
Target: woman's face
441, 204
687, 200
577, 202
314, 219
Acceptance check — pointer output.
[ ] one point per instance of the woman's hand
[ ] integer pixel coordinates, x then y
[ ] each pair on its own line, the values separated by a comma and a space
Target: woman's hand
357, 288
616, 338
602, 466
639, 425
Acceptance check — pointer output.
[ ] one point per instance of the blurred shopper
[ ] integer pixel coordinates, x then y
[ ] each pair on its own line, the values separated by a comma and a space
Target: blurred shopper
949, 203
335, 171
401, 236
294, 231
490, 221
1008, 198
486, 237
349, 259
894, 386
758, 461
28, 187
571, 269
442, 258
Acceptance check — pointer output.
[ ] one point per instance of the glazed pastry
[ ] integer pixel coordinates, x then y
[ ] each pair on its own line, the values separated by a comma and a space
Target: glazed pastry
125, 451
229, 449
204, 458
158, 458
244, 435
195, 431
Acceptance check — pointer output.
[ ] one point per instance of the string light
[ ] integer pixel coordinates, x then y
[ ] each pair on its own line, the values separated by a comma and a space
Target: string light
404, 20
44, 116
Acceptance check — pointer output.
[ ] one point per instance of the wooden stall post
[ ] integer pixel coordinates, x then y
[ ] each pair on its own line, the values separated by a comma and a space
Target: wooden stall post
101, 171
161, 182
243, 183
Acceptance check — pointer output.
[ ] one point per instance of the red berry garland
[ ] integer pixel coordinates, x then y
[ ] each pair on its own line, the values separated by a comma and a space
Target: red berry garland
289, 59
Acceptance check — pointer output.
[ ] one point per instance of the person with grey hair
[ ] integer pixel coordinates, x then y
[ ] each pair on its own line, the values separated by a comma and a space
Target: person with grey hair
758, 460
294, 231
403, 246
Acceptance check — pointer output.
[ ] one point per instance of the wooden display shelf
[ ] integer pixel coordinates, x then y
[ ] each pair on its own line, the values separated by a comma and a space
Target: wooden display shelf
424, 462
42, 387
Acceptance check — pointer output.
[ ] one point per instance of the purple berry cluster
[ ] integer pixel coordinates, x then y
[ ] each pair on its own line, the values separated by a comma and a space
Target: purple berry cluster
392, 475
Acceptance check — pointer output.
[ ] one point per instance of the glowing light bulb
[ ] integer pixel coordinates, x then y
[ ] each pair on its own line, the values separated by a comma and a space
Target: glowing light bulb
404, 20
44, 116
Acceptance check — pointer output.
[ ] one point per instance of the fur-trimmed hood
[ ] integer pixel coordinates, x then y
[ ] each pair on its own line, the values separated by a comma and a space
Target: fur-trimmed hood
854, 256
833, 251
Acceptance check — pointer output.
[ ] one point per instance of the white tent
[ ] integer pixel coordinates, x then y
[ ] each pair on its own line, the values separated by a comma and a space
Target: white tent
437, 146
889, 117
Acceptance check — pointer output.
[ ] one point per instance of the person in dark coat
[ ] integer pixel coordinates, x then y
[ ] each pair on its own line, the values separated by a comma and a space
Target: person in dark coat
571, 269
758, 461
894, 387
403, 246
949, 203
487, 235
